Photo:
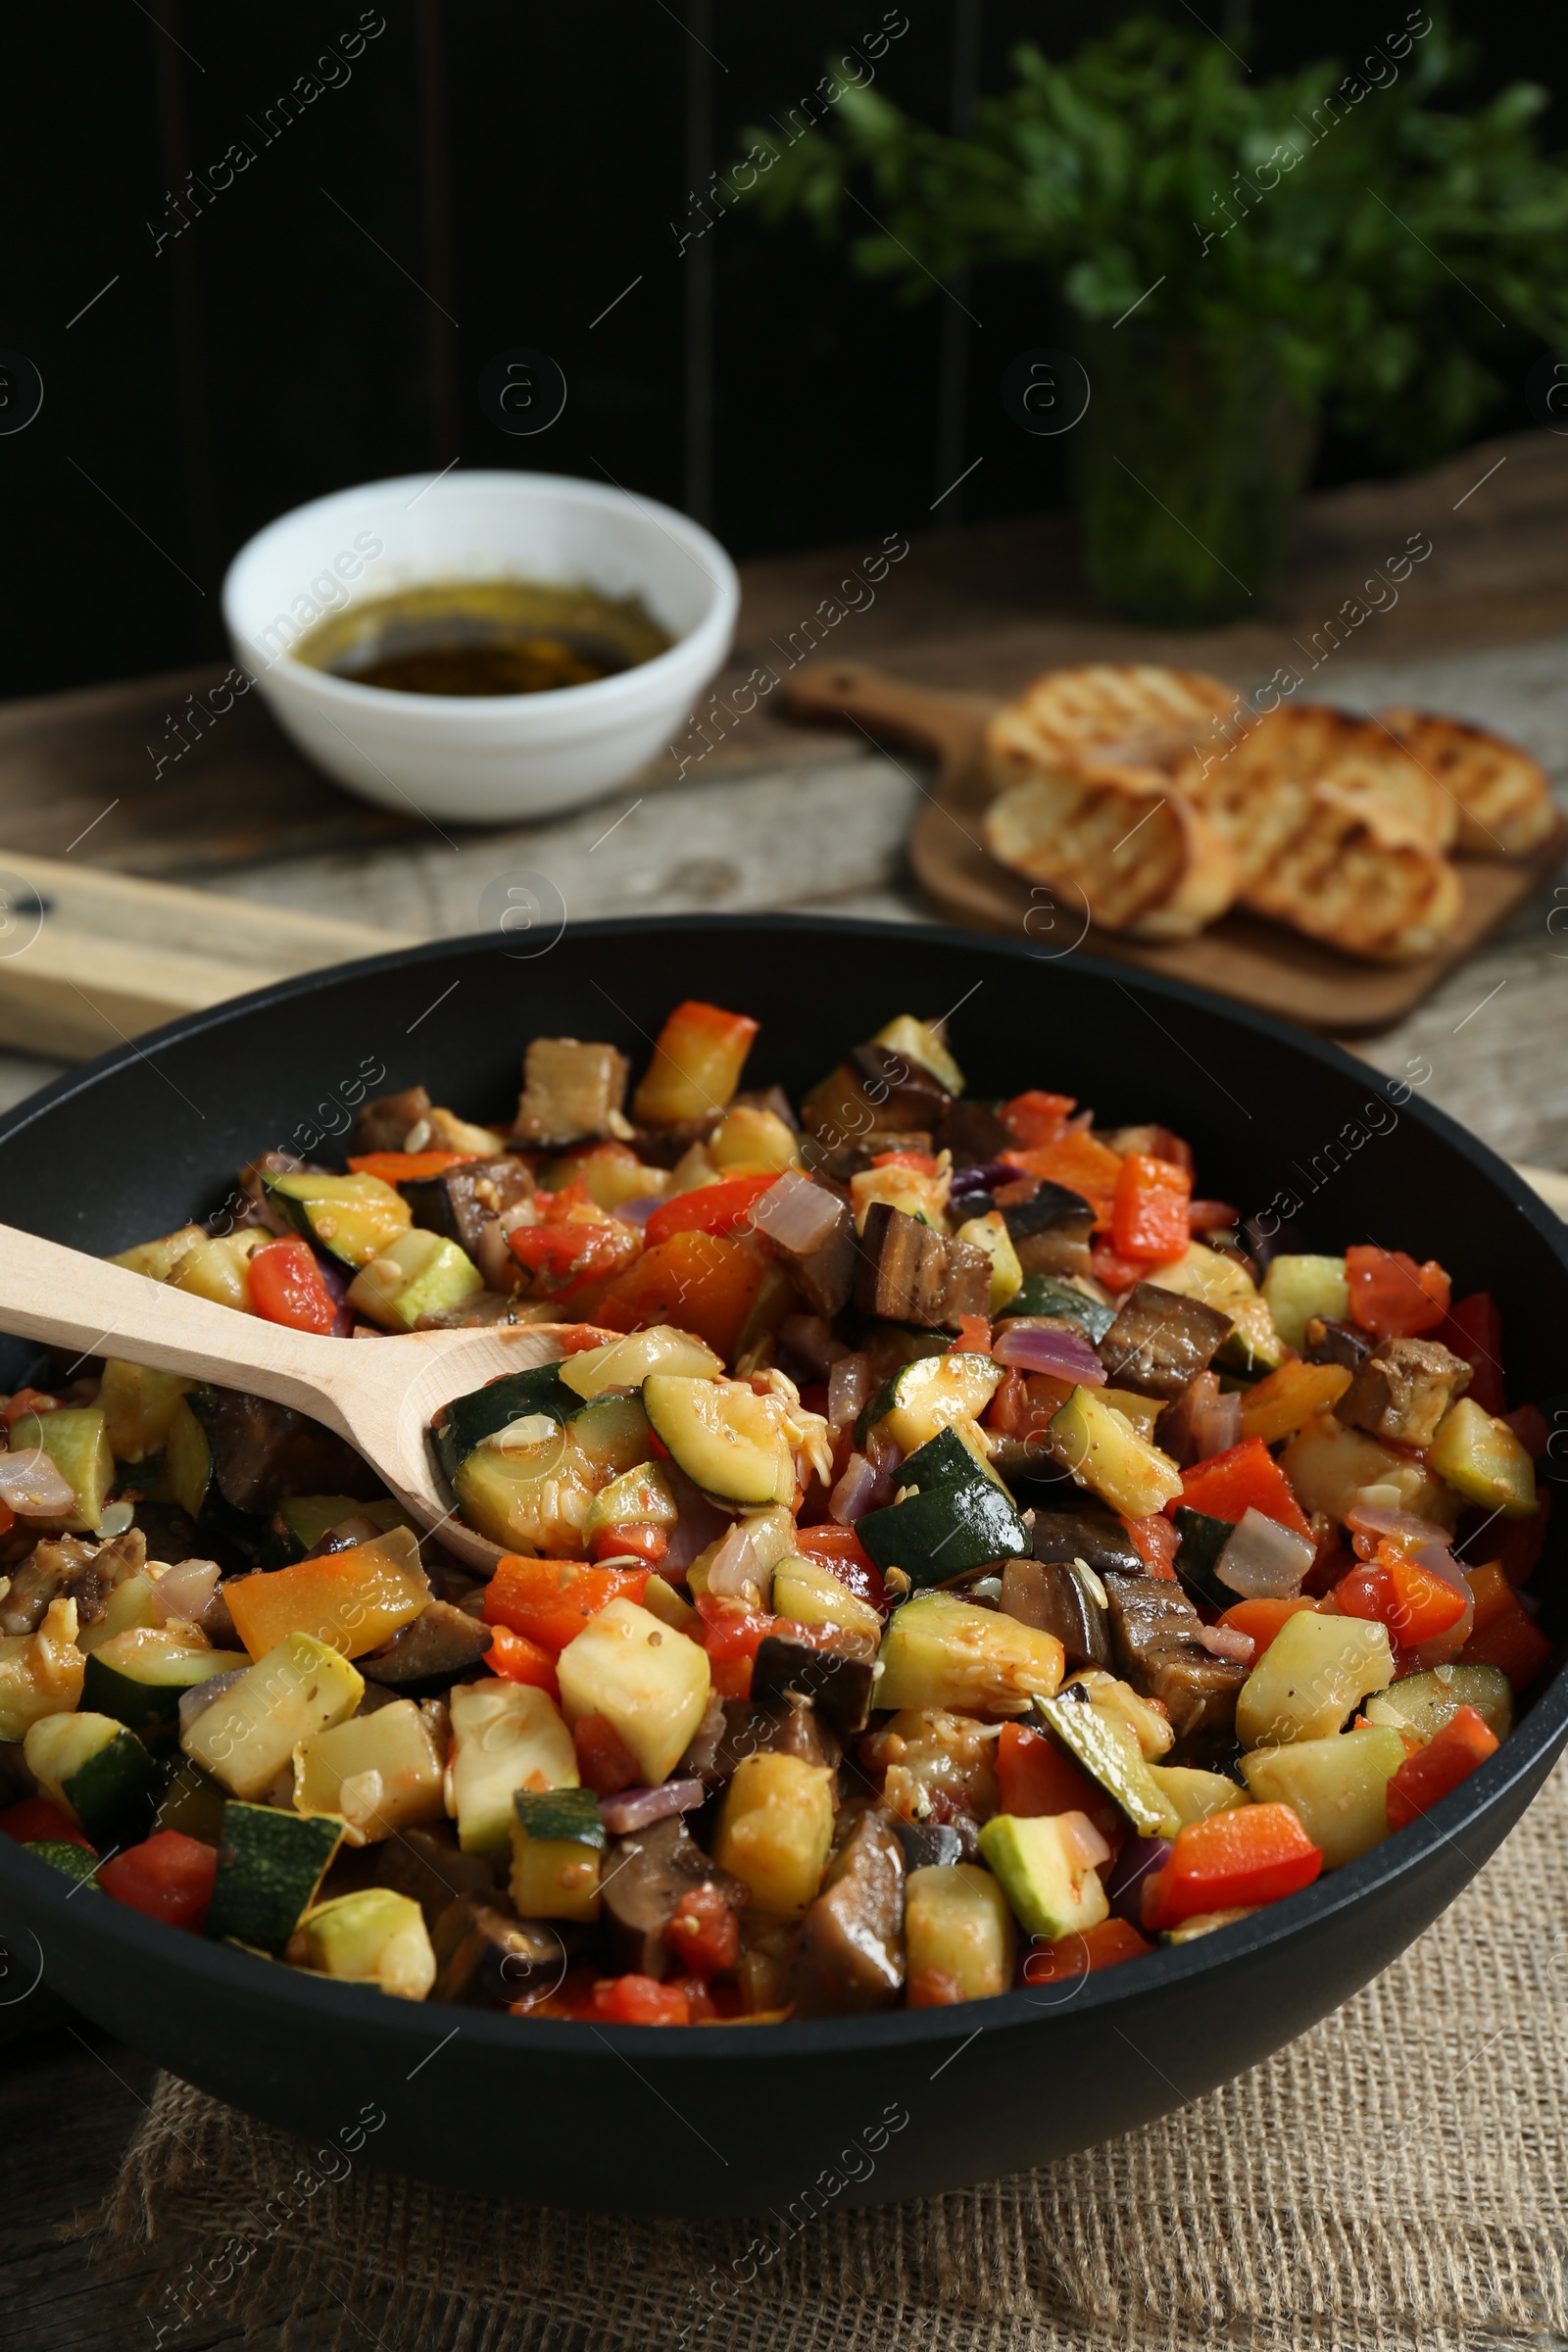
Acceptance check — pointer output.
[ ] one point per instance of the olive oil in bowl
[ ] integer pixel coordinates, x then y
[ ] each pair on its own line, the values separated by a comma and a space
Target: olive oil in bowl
484, 637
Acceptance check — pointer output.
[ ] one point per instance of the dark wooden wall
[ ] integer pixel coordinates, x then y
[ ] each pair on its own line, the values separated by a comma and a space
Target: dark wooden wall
482, 174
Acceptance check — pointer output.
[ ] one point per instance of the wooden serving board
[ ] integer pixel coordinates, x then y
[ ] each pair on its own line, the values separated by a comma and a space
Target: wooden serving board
89, 958
1241, 956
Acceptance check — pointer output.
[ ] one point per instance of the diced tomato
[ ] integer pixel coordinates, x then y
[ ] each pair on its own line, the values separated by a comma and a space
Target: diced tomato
38, 1819
723, 1207
1035, 1777
1512, 1641
8, 1518
701, 2007
1159, 1542
732, 1637
407, 1167
634, 2001
1532, 1428
1391, 1295
975, 1336
1211, 1216
705, 1282
1105, 1945
169, 1877
1259, 1620
605, 1761
1448, 1757
839, 1551
1078, 1163
1117, 1273
549, 1601
1520, 1546
1148, 1210
28, 1400
1414, 1603
1473, 1329
286, 1287
1247, 1854
704, 1933
566, 1257
1025, 1403
1243, 1477
648, 1543
517, 1659
1033, 1118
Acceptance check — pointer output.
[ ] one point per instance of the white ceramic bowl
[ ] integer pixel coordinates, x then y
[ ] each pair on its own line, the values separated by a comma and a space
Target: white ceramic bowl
487, 758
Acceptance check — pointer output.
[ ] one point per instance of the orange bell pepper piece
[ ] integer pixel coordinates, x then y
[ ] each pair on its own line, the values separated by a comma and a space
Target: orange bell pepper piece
353, 1601
549, 1601
406, 1168
1242, 1476
1448, 1757
1248, 1854
1287, 1400
723, 1207
700, 1282
1391, 1295
1157, 1540
1259, 1620
1080, 1163
1148, 1210
1415, 1604
517, 1659
1033, 1118
698, 1060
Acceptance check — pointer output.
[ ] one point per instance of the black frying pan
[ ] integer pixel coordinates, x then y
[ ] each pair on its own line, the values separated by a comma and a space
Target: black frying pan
742, 2119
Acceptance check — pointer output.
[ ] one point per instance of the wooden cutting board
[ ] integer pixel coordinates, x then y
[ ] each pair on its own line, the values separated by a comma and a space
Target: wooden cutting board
1241, 956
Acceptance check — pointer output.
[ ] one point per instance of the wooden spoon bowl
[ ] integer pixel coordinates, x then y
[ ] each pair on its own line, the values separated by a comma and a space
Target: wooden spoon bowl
380, 1396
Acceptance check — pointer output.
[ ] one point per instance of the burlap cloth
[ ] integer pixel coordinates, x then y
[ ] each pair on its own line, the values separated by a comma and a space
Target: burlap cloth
1397, 2177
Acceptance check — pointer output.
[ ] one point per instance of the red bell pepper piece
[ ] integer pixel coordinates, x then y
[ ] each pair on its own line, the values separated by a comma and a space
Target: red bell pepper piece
723, 1207
517, 1659
1520, 1544
1415, 1604
1116, 1272
974, 1336
1512, 1641
634, 2001
1448, 1757
703, 1932
407, 1167
1033, 1118
649, 1543
549, 1601
1391, 1295
1157, 1540
733, 1633
1034, 1777
28, 1400
1247, 1854
1079, 1161
1260, 1620
1243, 1477
39, 1820
1105, 1945
840, 1551
1472, 1328
286, 1287
169, 1877
565, 1255
605, 1761
706, 1283
1148, 1210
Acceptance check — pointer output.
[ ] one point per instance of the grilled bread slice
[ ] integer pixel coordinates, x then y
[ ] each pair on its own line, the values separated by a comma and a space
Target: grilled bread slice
1503, 801
1362, 876
1122, 714
1259, 791
1140, 858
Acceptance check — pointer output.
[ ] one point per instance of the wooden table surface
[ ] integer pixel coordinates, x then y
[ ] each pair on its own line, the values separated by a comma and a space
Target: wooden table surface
761, 814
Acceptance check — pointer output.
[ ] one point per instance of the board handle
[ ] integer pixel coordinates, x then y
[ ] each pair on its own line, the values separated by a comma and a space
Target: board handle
828, 692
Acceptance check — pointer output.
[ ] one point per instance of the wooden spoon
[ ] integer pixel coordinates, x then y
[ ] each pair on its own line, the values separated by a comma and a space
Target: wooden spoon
379, 1396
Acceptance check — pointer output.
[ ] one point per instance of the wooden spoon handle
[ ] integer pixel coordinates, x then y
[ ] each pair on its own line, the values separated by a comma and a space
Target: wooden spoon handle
948, 724
72, 1301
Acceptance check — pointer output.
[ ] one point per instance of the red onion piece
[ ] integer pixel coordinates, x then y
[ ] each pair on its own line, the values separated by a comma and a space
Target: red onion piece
1265, 1561
1372, 1519
1039, 1346
797, 1214
734, 1566
33, 1488
636, 1808
848, 1390
186, 1591
700, 1524
851, 1498
1217, 1425
1088, 1847
1225, 1642
981, 1179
